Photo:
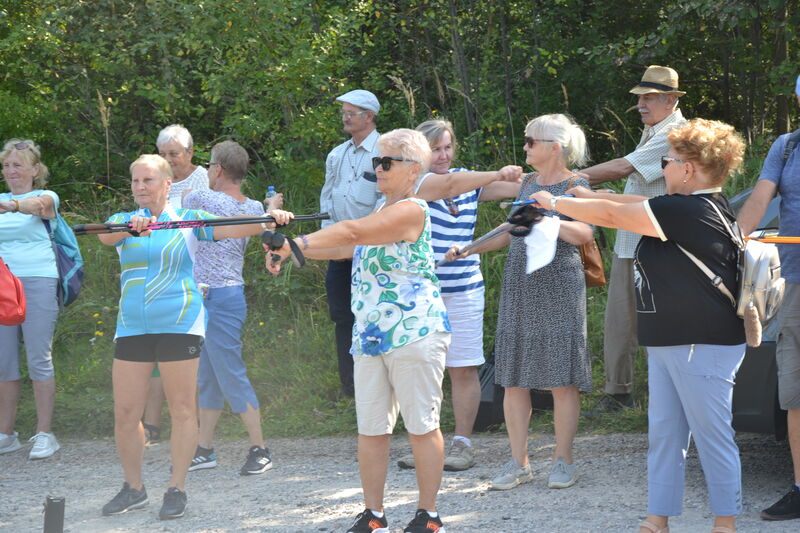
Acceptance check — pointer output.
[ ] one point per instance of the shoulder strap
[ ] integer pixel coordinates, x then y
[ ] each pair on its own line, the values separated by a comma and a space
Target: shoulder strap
716, 281
791, 144
733, 229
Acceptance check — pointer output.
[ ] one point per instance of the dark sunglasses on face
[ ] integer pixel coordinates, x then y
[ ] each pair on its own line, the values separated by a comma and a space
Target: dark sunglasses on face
385, 162
530, 141
665, 160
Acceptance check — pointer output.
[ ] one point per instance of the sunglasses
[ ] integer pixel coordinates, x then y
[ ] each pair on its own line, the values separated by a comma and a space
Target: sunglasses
530, 141
451, 206
385, 162
22, 146
667, 160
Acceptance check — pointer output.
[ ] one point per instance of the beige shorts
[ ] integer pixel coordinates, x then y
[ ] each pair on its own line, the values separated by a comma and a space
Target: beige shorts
407, 380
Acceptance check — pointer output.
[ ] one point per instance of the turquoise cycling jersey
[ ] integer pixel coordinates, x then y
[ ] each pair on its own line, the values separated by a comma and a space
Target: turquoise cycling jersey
157, 289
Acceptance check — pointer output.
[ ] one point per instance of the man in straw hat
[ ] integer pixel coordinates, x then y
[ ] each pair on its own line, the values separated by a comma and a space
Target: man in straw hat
658, 107
350, 192
781, 175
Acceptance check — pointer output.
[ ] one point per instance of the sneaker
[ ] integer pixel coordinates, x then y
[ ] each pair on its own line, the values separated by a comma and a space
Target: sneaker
407, 461
424, 523
786, 508
9, 443
460, 457
511, 475
366, 522
174, 504
203, 458
611, 403
126, 500
44, 445
258, 461
562, 475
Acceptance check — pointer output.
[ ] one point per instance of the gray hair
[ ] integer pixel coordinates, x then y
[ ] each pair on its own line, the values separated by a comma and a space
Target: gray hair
411, 144
232, 158
433, 130
563, 130
32, 155
177, 133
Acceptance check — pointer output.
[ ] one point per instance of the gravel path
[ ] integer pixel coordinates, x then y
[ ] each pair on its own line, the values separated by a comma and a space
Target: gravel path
314, 487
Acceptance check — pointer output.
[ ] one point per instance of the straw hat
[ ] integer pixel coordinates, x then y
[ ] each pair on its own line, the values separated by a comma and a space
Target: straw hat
658, 79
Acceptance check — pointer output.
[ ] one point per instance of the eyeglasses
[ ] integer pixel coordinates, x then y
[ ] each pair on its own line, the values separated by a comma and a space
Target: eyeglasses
667, 160
351, 114
212, 163
530, 141
385, 162
22, 146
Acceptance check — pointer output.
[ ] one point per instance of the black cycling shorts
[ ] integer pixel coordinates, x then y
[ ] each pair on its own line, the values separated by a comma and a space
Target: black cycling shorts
162, 347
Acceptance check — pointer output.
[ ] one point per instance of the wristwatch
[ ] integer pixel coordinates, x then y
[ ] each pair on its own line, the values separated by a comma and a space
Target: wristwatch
553, 202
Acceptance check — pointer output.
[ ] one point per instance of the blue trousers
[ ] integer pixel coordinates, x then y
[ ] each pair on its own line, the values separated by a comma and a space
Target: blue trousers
222, 374
691, 396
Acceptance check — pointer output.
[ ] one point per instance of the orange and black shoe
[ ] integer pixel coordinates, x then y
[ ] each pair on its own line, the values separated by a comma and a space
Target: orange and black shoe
425, 523
367, 522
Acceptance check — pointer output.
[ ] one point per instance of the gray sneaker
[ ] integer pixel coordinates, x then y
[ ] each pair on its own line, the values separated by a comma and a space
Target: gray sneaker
562, 475
9, 443
511, 475
460, 457
407, 461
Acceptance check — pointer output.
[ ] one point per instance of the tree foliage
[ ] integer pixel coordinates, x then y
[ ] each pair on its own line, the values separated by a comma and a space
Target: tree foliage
265, 73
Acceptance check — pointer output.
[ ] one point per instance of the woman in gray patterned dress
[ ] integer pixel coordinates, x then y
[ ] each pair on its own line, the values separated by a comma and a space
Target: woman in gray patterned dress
541, 326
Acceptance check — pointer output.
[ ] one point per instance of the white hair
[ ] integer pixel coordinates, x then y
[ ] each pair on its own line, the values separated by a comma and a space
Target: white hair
563, 130
177, 133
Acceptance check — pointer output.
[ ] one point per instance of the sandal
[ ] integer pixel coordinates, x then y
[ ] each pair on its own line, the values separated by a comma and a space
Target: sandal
722, 529
654, 528
151, 433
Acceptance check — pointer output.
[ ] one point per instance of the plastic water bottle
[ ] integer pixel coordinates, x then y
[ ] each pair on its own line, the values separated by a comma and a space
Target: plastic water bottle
270, 192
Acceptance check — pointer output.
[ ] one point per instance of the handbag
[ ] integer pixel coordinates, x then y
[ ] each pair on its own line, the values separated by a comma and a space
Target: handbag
68, 260
12, 298
591, 258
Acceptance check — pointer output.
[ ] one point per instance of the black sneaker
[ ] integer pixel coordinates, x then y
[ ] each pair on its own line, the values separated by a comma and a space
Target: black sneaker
174, 504
366, 522
424, 523
203, 458
126, 500
786, 508
258, 461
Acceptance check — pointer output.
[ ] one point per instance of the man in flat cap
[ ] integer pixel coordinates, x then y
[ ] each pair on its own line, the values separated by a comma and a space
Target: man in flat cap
781, 175
349, 192
658, 107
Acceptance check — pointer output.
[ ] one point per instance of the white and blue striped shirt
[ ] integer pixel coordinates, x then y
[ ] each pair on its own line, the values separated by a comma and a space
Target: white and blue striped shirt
447, 230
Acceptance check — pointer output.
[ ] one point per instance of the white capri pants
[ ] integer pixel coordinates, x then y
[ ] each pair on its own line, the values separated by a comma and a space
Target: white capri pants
691, 396
465, 314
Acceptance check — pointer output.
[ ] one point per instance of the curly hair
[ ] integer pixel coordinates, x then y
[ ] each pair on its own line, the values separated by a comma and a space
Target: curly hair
710, 144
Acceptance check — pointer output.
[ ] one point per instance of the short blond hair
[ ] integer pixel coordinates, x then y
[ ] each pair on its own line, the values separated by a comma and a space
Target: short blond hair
155, 161
563, 130
411, 144
32, 155
434, 130
712, 145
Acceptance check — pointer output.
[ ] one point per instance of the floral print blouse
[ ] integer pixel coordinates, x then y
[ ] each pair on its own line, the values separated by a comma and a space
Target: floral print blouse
395, 293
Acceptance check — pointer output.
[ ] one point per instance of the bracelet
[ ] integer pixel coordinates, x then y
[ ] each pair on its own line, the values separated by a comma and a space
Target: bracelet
16, 205
305, 241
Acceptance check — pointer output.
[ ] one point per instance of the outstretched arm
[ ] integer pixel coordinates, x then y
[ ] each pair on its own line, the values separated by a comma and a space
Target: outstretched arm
438, 186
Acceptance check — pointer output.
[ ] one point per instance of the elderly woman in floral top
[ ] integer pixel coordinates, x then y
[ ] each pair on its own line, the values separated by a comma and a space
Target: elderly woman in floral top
401, 333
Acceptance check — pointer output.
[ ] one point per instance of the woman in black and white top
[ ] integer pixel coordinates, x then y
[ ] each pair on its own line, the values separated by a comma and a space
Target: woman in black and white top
694, 340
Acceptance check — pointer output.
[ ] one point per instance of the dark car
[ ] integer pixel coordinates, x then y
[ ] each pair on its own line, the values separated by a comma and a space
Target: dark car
755, 395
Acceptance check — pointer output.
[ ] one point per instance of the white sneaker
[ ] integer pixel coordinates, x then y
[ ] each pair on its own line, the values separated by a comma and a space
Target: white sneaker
9, 443
44, 445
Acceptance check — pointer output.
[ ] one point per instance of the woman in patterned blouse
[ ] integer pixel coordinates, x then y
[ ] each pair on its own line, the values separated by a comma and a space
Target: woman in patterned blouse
401, 332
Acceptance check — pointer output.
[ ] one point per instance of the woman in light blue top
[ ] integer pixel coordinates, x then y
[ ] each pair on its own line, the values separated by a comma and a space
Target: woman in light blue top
401, 332
25, 246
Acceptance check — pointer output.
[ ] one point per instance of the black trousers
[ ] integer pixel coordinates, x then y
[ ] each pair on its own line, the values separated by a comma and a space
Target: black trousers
337, 283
